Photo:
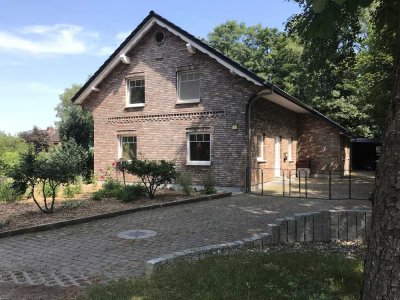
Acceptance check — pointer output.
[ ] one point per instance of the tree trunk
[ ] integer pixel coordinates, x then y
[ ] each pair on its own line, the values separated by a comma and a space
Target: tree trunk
382, 266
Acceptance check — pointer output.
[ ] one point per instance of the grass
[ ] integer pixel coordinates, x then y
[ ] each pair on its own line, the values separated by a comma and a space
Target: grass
245, 275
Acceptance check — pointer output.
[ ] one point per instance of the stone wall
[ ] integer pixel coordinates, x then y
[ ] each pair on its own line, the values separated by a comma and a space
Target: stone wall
324, 226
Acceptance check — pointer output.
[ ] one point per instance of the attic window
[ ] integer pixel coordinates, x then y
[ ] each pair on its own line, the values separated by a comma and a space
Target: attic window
159, 37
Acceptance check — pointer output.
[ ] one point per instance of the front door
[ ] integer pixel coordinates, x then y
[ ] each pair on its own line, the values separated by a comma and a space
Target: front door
277, 156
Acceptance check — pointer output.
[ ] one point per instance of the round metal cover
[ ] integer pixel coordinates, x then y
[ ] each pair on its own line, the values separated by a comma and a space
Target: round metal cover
136, 234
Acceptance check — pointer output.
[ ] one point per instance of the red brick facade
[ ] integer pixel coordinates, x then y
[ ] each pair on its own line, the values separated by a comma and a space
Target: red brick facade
162, 125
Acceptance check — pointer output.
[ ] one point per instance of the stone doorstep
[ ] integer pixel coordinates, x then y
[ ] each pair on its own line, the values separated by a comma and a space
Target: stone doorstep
55, 225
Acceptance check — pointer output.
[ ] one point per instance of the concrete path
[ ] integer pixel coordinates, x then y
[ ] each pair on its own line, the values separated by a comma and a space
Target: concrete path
82, 254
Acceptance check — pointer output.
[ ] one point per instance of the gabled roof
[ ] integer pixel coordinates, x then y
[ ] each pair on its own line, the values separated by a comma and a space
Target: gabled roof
238, 69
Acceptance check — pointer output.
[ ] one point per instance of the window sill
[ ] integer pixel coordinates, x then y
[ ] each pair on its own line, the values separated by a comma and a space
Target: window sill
198, 163
188, 101
135, 105
261, 161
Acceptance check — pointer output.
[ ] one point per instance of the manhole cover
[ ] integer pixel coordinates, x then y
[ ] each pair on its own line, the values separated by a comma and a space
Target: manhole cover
136, 234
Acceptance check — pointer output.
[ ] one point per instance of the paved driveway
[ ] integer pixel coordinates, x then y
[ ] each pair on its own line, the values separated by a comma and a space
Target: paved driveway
80, 254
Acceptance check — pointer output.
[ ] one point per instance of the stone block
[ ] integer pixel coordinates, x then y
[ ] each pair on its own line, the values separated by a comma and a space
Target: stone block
291, 230
361, 234
266, 240
309, 228
342, 225
351, 225
300, 223
334, 225
317, 222
274, 229
283, 238
326, 226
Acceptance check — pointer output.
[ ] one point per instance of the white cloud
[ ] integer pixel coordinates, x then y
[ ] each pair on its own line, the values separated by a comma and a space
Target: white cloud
54, 39
121, 36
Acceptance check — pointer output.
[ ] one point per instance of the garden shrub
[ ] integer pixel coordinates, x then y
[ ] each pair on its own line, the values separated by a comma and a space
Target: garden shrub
208, 184
100, 194
57, 167
152, 173
184, 179
7, 193
131, 193
111, 185
70, 190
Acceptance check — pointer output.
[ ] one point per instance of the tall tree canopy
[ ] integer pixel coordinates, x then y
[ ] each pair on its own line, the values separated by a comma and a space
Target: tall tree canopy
75, 122
38, 138
337, 86
269, 53
326, 21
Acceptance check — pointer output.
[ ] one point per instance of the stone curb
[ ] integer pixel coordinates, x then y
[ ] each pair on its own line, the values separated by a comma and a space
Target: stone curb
260, 239
322, 226
61, 224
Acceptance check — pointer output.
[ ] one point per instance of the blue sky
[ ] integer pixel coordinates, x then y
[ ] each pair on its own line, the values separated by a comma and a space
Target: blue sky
47, 45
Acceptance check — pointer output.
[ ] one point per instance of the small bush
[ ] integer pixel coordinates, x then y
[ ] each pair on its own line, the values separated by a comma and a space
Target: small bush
131, 193
152, 173
70, 190
98, 195
71, 204
7, 192
184, 179
112, 185
208, 183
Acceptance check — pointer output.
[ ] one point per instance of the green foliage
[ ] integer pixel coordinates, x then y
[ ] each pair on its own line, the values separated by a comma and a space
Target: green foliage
184, 179
130, 193
37, 137
76, 123
45, 189
265, 51
11, 148
208, 184
245, 275
7, 193
57, 167
71, 204
70, 190
114, 189
152, 173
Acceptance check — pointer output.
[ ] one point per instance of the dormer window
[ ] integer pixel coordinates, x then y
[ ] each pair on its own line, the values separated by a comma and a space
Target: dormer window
189, 87
135, 92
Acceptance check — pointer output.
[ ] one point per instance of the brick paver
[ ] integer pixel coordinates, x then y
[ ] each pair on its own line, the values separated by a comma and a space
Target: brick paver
81, 254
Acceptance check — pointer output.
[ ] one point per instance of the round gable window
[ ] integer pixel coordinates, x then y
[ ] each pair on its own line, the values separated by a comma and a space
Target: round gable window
159, 37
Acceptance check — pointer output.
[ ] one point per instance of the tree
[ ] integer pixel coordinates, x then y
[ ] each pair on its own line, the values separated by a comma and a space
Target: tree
75, 122
57, 167
37, 137
319, 21
290, 60
269, 53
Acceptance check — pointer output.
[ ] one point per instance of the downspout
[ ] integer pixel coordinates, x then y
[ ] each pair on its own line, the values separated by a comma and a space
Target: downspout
249, 146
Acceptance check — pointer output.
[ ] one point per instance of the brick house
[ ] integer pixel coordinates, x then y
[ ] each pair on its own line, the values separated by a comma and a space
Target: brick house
164, 94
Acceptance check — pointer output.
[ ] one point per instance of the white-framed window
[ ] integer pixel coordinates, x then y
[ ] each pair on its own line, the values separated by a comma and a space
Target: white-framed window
188, 87
198, 149
127, 147
260, 147
135, 92
290, 149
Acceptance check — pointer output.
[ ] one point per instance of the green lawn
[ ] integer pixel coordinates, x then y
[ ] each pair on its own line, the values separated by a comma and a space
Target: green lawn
245, 275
